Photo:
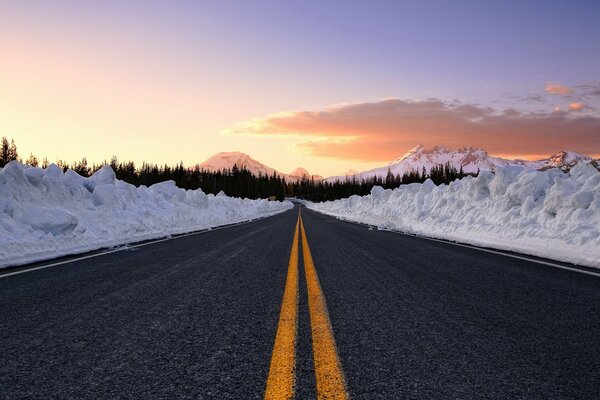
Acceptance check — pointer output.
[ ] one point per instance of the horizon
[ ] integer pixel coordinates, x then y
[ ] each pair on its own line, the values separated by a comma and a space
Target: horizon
426, 149
105, 161
321, 87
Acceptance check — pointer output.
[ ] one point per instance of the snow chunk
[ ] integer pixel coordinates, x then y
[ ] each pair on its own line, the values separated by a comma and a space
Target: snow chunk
105, 195
54, 221
377, 192
34, 175
104, 176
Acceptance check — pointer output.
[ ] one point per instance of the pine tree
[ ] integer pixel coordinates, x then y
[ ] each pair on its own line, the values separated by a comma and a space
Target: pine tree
62, 165
13, 155
114, 163
4, 152
81, 167
8, 151
32, 160
389, 179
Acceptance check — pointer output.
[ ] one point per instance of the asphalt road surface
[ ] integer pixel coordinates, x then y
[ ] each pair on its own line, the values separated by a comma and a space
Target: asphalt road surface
199, 317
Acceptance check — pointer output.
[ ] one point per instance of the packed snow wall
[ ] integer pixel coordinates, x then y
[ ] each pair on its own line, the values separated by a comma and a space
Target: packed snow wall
45, 213
549, 213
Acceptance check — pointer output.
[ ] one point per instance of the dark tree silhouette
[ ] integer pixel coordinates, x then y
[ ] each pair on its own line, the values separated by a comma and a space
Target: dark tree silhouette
239, 182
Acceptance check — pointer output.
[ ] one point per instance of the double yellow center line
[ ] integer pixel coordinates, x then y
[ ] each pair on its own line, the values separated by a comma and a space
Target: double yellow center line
328, 371
280, 383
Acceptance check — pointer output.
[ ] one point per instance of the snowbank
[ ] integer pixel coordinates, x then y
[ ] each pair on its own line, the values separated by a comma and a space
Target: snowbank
549, 214
45, 213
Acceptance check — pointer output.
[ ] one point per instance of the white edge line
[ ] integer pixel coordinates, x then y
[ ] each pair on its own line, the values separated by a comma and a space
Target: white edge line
525, 258
126, 246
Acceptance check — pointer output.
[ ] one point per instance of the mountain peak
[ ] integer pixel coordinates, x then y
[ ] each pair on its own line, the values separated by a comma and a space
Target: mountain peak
470, 159
438, 149
415, 150
300, 172
565, 159
227, 159
231, 154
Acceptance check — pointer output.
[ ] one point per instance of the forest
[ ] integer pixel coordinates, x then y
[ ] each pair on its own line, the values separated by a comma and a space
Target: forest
238, 181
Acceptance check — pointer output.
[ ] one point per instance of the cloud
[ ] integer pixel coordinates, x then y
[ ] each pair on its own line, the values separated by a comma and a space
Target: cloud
385, 129
536, 97
590, 89
558, 89
576, 106
532, 98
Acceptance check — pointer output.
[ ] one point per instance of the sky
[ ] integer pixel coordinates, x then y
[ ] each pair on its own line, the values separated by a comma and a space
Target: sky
323, 85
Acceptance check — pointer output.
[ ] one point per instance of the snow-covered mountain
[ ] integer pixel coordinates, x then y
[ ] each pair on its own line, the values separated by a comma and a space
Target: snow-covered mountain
226, 160
562, 159
470, 159
302, 172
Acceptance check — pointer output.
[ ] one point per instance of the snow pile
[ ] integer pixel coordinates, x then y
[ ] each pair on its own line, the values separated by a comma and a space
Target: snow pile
545, 213
45, 213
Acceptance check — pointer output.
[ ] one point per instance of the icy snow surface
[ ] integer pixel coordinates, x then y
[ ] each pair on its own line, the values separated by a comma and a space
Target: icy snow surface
45, 213
548, 213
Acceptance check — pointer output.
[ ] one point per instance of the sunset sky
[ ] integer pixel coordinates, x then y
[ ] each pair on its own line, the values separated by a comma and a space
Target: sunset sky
323, 85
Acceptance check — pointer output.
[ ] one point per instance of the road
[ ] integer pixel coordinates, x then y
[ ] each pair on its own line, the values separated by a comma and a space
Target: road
199, 317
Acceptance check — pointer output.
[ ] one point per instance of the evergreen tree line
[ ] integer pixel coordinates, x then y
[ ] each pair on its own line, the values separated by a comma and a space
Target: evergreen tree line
239, 182
317, 191
235, 182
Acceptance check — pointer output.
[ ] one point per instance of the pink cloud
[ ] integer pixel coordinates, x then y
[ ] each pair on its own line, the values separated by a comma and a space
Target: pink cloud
382, 130
558, 89
576, 106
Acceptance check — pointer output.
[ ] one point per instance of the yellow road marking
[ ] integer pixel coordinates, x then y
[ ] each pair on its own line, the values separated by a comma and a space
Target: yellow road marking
328, 371
280, 383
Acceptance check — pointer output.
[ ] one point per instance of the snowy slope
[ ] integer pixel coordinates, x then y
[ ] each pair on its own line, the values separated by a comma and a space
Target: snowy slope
226, 160
562, 159
547, 213
470, 159
302, 172
45, 213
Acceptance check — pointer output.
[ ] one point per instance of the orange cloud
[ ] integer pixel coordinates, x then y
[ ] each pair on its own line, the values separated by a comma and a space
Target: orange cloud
576, 106
558, 89
382, 130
